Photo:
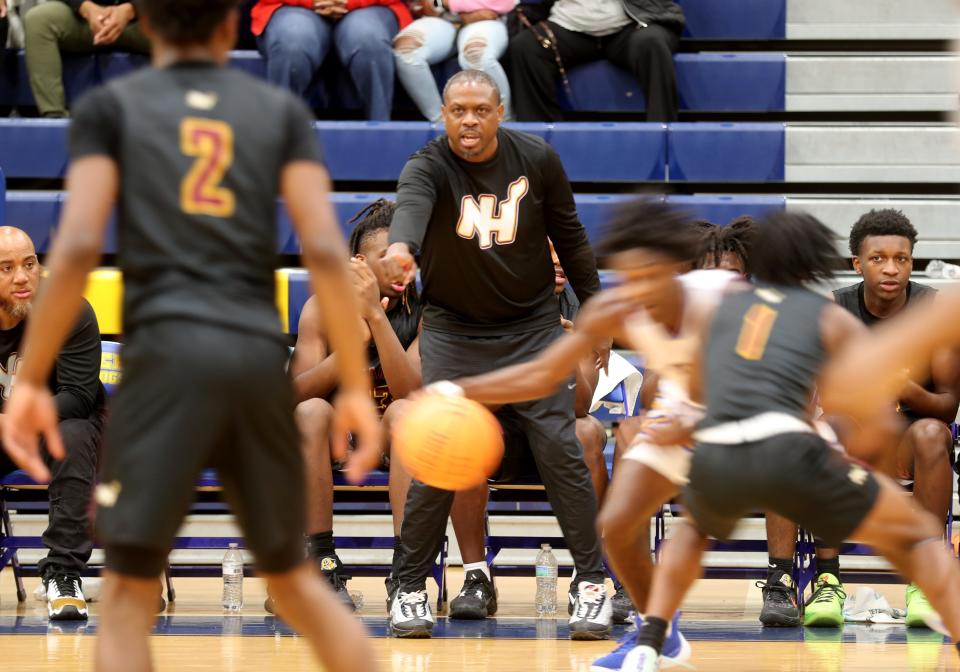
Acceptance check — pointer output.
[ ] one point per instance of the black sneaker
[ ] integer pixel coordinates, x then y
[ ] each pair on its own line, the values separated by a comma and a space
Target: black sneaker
622, 606
330, 567
780, 607
477, 599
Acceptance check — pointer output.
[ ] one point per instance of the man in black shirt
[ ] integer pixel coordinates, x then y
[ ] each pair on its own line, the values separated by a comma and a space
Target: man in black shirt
881, 243
203, 151
477, 207
79, 398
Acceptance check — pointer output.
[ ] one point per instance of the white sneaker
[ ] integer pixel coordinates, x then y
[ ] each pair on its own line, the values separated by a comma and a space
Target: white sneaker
591, 613
64, 598
641, 659
410, 615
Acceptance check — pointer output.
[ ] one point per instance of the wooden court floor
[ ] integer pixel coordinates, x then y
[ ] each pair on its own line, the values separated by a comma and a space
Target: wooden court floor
719, 619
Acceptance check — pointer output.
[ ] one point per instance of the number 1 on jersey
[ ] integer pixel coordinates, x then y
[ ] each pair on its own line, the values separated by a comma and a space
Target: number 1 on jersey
755, 332
210, 142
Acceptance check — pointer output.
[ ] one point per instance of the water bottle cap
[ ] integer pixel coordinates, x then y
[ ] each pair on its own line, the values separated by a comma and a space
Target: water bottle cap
234, 546
545, 547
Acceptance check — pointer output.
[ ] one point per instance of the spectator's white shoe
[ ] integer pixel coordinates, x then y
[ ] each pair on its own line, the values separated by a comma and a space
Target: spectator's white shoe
591, 613
65, 600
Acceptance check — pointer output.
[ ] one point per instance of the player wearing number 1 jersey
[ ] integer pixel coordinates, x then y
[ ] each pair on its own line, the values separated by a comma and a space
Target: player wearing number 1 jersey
194, 156
757, 448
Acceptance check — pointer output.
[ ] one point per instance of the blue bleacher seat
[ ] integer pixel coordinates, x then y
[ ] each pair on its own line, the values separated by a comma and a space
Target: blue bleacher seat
37, 213
752, 82
726, 152
735, 19
706, 82
722, 209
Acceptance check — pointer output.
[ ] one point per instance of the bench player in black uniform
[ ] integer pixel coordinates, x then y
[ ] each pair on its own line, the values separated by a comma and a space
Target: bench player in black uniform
202, 152
757, 449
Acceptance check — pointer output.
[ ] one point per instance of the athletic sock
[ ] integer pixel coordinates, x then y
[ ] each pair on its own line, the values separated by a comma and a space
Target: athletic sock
477, 566
831, 566
652, 634
785, 565
321, 544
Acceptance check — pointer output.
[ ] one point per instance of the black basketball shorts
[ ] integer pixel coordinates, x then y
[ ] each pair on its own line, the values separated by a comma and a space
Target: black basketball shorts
195, 396
795, 475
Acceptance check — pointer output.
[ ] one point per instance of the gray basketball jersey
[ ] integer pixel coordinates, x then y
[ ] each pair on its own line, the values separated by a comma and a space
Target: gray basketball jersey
200, 150
763, 354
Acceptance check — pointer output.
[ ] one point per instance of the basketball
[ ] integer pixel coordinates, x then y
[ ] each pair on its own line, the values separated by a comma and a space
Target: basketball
448, 442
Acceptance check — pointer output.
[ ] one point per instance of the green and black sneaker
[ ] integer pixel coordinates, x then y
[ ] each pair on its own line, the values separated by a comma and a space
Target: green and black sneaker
824, 609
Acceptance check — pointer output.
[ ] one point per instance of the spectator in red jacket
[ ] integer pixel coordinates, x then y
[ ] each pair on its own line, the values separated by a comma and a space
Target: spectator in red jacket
295, 37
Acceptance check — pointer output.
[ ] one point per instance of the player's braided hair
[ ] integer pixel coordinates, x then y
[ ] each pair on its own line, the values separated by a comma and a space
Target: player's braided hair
185, 21
734, 238
653, 225
368, 222
886, 222
792, 249
373, 218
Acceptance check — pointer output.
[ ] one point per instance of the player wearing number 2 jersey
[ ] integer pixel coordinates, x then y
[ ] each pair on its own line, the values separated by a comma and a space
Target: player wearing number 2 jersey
757, 448
194, 156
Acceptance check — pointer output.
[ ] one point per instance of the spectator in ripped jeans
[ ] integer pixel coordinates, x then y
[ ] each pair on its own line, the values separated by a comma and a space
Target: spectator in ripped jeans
295, 36
474, 30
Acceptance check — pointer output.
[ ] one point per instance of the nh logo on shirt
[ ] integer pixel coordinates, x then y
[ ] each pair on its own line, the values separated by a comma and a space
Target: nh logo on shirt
490, 222
8, 375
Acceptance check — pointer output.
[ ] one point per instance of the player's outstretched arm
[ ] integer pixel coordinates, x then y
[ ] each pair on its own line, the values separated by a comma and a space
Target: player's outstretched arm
92, 183
305, 186
535, 379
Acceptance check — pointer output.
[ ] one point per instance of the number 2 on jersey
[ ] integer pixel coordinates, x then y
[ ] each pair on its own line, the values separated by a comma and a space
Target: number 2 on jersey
210, 142
755, 332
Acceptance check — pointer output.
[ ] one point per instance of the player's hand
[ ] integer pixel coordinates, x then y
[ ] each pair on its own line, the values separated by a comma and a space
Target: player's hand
671, 432
3, 14
367, 287
603, 355
478, 15
355, 414
604, 313
29, 414
399, 264
566, 324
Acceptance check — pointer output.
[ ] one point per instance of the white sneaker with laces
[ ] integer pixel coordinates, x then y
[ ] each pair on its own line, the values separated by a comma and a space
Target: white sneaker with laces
411, 616
592, 612
65, 600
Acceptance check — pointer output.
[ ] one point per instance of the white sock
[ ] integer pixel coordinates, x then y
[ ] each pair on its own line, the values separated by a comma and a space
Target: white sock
482, 566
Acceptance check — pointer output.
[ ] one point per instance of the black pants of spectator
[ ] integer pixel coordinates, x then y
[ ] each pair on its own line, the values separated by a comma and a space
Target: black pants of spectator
646, 52
550, 428
68, 535
4, 27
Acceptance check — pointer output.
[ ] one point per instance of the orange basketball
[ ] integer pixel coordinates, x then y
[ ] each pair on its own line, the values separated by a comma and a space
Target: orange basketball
448, 442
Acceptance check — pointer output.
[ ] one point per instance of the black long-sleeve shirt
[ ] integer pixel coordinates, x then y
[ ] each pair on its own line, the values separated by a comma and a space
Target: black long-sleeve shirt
481, 231
75, 380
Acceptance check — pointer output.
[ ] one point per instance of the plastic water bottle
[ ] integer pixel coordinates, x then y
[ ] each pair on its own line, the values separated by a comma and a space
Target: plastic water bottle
233, 579
546, 581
